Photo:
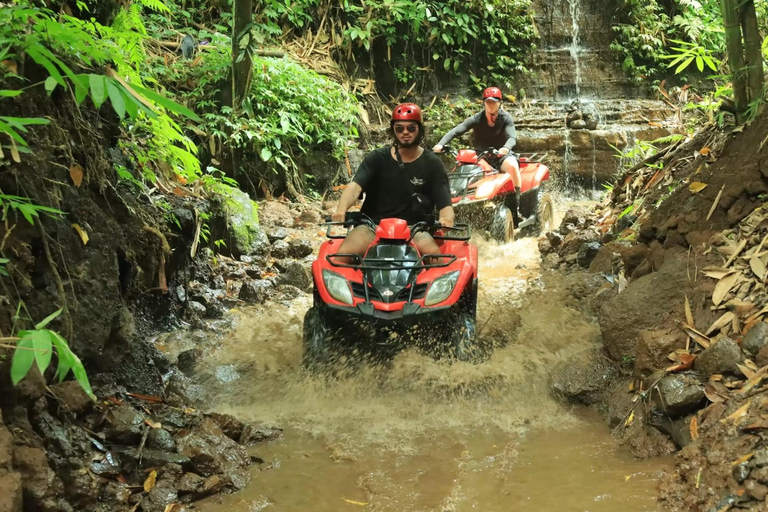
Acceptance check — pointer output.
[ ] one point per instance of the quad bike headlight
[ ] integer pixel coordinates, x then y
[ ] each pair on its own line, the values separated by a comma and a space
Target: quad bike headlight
441, 288
337, 286
485, 189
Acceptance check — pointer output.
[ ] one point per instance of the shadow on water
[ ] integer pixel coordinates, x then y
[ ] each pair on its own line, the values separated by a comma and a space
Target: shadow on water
431, 435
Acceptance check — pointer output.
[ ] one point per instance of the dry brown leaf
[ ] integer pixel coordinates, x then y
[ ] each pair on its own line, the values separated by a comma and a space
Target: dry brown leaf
704, 151
686, 363
688, 313
721, 322
699, 338
83, 234
697, 187
758, 267
173, 507
717, 272
717, 201
710, 391
153, 424
756, 316
15, 152
146, 398
739, 414
694, 428
149, 483
748, 373
753, 381
723, 287
742, 460
76, 173
736, 252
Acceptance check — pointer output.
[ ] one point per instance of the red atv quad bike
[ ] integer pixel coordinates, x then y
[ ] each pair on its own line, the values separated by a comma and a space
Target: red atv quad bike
392, 297
484, 196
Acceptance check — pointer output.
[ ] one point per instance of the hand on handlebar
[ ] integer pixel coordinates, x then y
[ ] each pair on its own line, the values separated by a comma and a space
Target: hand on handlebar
503, 151
447, 221
437, 149
338, 217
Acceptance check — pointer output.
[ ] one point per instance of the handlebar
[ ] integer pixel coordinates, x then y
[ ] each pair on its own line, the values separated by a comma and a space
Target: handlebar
354, 219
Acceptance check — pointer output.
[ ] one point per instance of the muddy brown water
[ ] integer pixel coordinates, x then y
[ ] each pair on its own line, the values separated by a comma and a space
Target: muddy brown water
426, 435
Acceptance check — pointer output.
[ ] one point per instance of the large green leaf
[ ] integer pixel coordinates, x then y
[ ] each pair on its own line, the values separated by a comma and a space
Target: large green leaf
5, 93
98, 89
65, 356
48, 319
33, 51
166, 103
22, 359
116, 97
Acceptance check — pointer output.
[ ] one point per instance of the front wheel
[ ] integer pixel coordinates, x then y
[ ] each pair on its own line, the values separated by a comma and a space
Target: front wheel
545, 215
464, 339
318, 352
502, 224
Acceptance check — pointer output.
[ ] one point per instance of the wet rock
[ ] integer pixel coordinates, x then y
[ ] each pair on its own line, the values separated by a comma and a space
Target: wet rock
277, 234
151, 458
114, 492
289, 292
108, 466
191, 483
219, 283
160, 439
723, 356
71, 396
676, 395
582, 377
253, 434
545, 246
678, 430
756, 490
573, 242
254, 272
577, 216
555, 239
245, 236
607, 258
741, 472
587, 253
760, 459
653, 347
281, 249
10, 492
125, 425
196, 308
226, 373
578, 124
181, 293
212, 453
550, 261
229, 425
187, 360
255, 291
181, 385
159, 497
756, 338
299, 248
296, 274
174, 418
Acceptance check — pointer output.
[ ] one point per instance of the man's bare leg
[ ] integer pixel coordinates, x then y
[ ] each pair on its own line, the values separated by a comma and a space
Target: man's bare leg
512, 167
426, 245
356, 242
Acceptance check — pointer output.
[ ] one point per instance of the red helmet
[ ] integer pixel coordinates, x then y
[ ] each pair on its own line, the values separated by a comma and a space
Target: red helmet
406, 112
492, 92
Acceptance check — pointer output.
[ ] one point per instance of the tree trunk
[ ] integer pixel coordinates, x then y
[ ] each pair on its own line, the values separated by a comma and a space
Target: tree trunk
242, 66
735, 53
752, 49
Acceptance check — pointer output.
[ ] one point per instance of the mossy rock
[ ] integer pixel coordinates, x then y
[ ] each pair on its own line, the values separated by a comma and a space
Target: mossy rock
244, 235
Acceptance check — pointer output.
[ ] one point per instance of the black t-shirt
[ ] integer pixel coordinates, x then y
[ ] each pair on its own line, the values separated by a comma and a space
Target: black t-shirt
387, 188
501, 134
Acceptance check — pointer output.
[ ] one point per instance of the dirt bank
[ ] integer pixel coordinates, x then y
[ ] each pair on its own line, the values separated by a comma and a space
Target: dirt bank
681, 310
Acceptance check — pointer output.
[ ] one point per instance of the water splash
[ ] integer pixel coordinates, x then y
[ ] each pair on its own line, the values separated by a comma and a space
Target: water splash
575, 48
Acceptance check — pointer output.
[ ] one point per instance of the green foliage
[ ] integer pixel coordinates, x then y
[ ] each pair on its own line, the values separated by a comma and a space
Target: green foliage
25, 207
36, 347
490, 38
648, 32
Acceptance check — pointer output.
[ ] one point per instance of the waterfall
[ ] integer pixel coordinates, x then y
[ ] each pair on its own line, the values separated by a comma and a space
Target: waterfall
575, 49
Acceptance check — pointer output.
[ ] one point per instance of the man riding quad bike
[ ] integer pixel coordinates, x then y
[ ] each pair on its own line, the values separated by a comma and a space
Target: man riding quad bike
383, 269
486, 197
505, 207
393, 296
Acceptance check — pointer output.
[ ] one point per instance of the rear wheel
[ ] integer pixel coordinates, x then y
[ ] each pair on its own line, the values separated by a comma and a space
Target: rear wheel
464, 338
502, 224
545, 215
318, 352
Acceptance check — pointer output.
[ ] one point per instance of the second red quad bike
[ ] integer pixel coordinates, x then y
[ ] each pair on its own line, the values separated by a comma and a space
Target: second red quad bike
393, 296
484, 196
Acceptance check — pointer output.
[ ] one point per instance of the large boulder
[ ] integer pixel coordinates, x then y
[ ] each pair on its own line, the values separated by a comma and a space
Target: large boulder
582, 377
245, 236
650, 302
722, 356
676, 395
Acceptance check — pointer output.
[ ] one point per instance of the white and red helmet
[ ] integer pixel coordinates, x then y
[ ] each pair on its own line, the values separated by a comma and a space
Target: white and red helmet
492, 93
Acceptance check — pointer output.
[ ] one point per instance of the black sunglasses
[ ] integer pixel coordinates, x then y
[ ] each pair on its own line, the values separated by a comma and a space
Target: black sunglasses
399, 128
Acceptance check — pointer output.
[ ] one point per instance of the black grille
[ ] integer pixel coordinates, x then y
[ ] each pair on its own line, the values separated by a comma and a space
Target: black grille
418, 293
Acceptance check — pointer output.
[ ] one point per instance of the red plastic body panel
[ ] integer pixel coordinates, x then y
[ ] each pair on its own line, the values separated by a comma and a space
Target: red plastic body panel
532, 173
467, 156
393, 229
466, 264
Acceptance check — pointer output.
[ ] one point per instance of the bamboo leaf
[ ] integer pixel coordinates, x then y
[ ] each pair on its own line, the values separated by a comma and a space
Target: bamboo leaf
49, 319
723, 287
98, 89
